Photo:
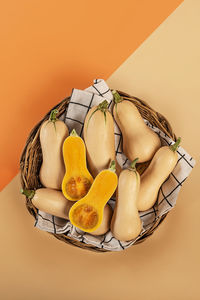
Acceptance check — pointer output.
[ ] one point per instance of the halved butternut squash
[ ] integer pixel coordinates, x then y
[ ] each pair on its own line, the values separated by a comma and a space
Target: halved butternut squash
87, 213
77, 179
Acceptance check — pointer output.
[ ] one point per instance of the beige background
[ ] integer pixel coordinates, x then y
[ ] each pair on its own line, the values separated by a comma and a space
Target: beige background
34, 265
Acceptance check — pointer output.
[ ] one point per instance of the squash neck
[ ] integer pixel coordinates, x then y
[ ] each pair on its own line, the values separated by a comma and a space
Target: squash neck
100, 191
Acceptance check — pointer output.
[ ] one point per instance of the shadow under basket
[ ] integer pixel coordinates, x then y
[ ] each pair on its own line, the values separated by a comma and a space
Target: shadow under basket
31, 160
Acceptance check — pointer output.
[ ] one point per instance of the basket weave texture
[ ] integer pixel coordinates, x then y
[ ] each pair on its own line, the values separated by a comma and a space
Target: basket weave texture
31, 160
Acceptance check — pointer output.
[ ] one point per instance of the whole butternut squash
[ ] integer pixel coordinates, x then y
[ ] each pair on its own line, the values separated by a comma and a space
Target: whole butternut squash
157, 172
87, 213
53, 202
50, 201
138, 139
52, 135
126, 224
99, 138
77, 180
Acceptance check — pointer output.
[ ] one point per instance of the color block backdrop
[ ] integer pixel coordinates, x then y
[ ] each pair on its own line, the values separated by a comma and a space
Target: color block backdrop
49, 47
164, 70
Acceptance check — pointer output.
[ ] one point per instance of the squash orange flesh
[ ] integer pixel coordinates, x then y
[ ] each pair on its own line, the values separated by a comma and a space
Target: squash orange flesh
85, 216
87, 213
77, 180
77, 187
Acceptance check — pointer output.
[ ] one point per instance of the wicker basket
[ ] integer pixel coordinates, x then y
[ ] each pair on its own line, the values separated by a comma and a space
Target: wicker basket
31, 160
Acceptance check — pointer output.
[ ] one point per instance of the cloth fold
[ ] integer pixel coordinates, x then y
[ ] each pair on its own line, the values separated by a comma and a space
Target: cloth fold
79, 105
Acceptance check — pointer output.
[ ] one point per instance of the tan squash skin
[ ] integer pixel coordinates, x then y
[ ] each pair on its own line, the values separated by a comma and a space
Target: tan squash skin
138, 139
126, 224
105, 225
53, 169
157, 172
52, 202
100, 141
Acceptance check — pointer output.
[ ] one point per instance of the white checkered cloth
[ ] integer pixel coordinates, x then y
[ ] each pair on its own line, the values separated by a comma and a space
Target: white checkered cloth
80, 103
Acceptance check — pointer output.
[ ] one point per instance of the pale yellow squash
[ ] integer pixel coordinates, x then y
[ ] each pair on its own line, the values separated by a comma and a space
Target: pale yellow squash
52, 135
157, 172
138, 139
100, 139
50, 201
54, 203
126, 224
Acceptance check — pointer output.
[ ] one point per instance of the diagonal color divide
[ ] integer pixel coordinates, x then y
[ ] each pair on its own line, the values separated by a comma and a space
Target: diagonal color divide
48, 49
164, 71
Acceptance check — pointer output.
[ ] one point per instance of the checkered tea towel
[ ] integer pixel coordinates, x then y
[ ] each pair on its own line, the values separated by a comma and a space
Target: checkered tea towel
80, 103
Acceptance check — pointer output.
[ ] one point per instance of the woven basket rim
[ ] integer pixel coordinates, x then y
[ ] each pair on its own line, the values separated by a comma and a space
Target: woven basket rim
32, 153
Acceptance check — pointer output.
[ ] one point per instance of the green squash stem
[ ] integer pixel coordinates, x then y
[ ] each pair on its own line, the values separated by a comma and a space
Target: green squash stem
175, 145
133, 167
133, 164
53, 114
103, 107
28, 193
112, 166
117, 97
53, 118
74, 133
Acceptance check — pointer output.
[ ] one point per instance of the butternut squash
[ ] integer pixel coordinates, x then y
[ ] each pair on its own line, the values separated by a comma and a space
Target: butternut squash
52, 135
87, 213
50, 201
157, 172
99, 138
126, 224
138, 139
53, 202
77, 180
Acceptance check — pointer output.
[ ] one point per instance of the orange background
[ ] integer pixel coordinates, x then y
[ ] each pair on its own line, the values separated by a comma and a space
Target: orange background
49, 47
164, 71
